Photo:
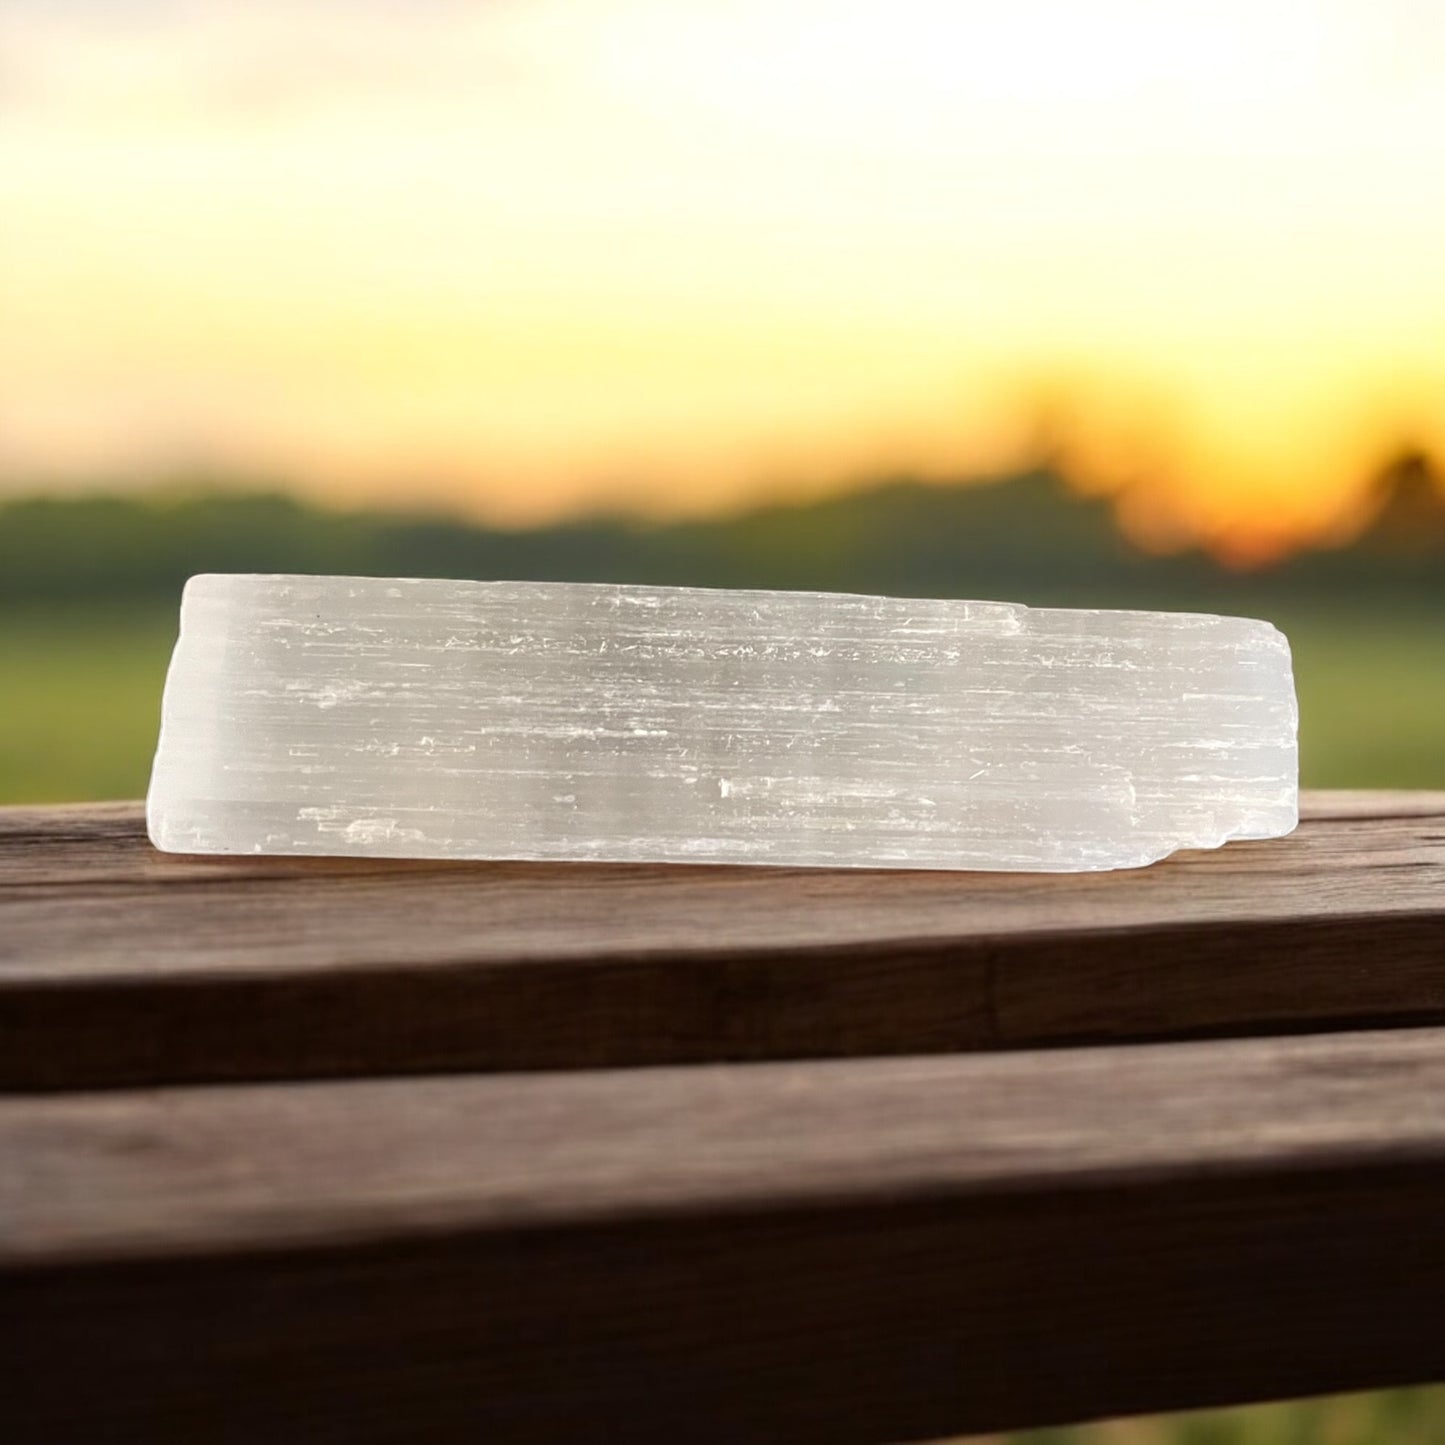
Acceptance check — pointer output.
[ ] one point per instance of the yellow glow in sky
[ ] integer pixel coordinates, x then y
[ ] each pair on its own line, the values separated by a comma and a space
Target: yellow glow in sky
534, 257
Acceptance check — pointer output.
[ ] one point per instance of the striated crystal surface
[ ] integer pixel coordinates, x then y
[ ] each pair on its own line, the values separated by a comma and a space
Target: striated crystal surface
436, 719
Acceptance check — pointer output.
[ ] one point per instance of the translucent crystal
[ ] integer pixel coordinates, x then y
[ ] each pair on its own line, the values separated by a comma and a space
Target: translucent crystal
433, 719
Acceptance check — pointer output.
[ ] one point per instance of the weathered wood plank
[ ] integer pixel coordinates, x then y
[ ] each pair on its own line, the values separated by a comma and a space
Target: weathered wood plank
844, 1251
119, 965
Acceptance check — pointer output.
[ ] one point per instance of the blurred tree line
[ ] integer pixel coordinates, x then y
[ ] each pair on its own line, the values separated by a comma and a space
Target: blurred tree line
1029, 536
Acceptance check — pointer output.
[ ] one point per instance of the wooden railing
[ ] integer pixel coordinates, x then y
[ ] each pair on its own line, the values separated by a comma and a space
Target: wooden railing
324, 1151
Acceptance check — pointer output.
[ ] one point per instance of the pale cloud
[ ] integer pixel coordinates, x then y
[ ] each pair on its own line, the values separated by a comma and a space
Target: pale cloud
177, 62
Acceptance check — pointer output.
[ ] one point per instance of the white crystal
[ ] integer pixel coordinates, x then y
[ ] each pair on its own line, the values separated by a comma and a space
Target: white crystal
388, 718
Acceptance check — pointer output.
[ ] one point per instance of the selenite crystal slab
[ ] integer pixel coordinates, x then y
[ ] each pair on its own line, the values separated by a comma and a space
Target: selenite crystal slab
431, 719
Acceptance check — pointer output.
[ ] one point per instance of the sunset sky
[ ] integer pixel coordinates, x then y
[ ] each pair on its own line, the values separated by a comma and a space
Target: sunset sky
534, 257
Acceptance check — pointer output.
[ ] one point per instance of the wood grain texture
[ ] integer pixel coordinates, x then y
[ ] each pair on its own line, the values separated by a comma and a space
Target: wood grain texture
119, 965
844, 1251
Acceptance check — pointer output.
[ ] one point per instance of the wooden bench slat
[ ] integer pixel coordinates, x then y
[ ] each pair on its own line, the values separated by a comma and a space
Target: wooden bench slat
850, 1250
121, 966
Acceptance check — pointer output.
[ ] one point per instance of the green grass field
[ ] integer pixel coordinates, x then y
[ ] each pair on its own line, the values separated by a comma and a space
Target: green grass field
79, 702
1388, 1417
81, 694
